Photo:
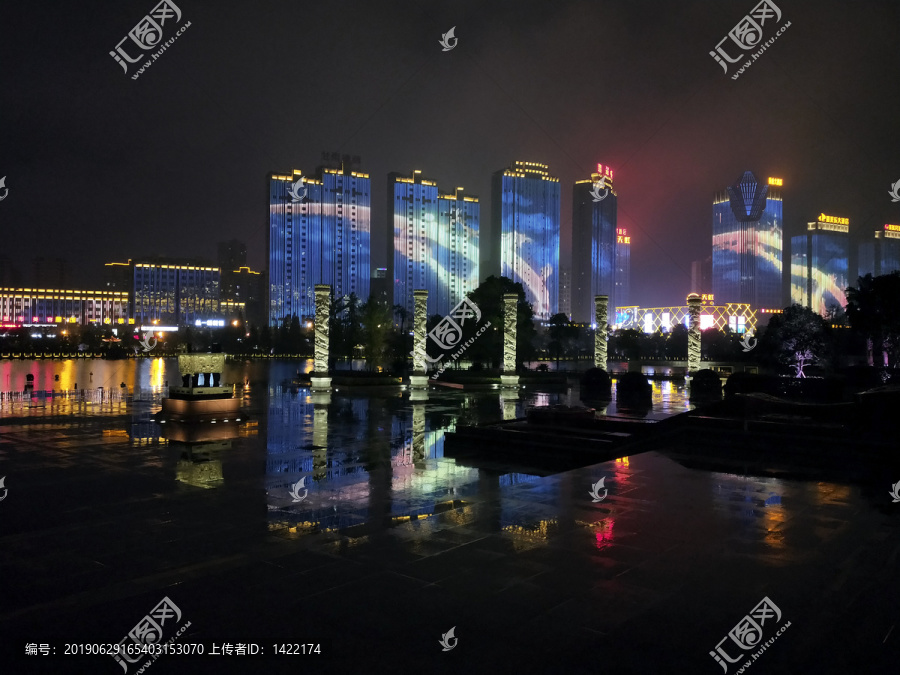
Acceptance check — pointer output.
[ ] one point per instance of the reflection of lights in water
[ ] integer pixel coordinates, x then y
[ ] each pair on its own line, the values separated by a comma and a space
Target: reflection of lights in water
525, 538
157, 372
602, 530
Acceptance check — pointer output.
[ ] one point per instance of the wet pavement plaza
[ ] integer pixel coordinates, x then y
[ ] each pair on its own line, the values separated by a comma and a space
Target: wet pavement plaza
343, 524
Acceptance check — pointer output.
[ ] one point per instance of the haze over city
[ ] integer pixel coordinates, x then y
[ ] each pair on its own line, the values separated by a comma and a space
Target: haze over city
450, 336
101, 167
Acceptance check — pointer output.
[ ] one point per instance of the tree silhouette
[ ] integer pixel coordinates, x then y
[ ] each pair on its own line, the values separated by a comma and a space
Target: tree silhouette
873, 309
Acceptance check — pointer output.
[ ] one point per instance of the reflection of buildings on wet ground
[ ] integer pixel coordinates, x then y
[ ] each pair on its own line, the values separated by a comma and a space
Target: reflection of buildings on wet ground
535, 574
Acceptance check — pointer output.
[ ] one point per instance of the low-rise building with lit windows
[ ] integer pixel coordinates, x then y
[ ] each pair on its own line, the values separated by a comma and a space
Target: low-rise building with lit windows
51, 306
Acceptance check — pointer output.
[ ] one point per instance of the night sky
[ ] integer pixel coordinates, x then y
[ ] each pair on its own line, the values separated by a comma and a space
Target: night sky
101, 167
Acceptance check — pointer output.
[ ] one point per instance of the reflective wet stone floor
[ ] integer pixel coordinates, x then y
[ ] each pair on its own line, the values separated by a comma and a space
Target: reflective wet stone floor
386, 545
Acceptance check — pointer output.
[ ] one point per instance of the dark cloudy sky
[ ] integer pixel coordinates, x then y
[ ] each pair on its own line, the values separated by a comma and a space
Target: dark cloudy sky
101, 167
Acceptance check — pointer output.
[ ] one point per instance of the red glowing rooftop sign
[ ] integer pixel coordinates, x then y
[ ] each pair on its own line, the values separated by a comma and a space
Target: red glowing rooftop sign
604, 171
892, 228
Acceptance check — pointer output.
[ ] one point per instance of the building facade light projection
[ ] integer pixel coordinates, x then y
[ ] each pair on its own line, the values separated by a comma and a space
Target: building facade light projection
457, 254
747, 242
433, 242
881, 254
595, 244
324, 237
525, 214
820, 264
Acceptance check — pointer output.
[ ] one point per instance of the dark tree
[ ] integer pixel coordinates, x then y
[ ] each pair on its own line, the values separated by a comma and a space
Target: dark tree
873, 310
799, 337
488, 347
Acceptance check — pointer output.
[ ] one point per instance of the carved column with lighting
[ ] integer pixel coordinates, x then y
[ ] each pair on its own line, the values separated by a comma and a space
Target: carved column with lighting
419, 377
693, 301
508, 377
601, 311
320, 381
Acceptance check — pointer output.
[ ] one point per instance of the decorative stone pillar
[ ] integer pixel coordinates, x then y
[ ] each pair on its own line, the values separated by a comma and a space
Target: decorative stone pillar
601, 309
693, 301
320, 381
419, 377
508, 377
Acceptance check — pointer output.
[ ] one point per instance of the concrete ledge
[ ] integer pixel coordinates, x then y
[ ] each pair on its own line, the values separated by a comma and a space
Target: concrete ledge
320, 383
418, 382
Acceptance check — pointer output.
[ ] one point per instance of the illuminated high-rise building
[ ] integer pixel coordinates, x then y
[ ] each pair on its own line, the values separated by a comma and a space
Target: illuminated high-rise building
747, 243
880, 255
525, 206
458, 249
319, 233
623, 268
412, 237
594, 212
434, 244
820, 264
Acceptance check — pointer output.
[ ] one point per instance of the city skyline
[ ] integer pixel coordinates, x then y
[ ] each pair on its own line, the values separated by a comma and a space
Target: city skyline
525, 85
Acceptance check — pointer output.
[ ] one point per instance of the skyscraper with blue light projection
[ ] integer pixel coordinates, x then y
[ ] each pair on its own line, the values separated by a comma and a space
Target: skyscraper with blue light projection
413, 240
747, 243
434, 242
319, 233
525, 206
594, 244
820, 264
458, 216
